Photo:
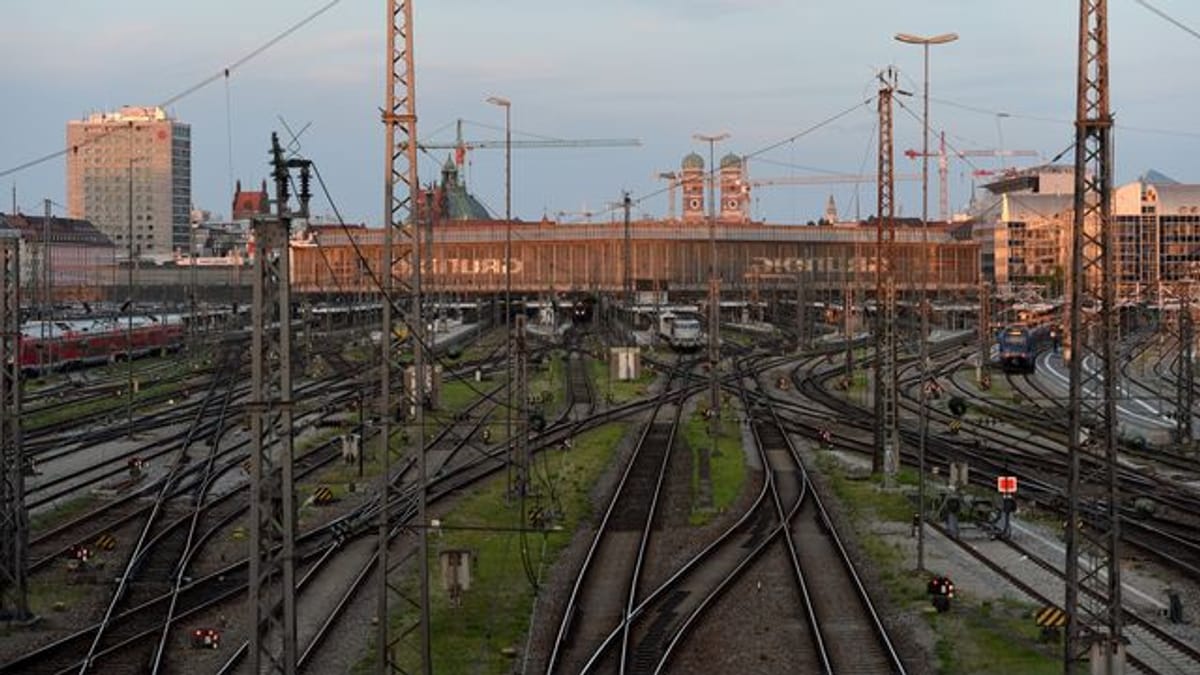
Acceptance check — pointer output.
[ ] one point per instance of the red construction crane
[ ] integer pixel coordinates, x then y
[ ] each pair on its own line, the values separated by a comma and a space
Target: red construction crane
944, 167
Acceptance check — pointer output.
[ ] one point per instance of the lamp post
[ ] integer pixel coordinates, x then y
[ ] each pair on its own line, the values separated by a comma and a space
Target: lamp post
924, 305
129, 306
714, 346
508, 394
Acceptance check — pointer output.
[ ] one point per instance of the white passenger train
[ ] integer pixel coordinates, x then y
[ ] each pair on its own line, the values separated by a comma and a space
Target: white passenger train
682, 332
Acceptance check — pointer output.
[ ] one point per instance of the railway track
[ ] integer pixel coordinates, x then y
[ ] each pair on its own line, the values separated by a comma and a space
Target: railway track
782, 520
606, 584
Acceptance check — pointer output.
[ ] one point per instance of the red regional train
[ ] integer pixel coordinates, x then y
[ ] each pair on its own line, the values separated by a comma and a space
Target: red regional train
60, 345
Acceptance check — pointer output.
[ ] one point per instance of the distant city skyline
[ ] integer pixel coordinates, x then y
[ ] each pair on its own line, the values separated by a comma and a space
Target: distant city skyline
761, 70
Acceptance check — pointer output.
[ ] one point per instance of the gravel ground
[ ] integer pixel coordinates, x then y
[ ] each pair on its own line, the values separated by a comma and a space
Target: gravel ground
558, 582
766, 627
911, 635
674, 540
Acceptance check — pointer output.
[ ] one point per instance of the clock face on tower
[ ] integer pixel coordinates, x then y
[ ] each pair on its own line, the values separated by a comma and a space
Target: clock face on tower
694, 203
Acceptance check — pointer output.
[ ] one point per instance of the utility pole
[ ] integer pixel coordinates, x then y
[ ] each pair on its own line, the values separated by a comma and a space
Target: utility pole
521, 371
714, 326
401, 192
14, 519
47, 312
627, 202
273, 501
886, 458
801, 318
848, 319
985, 333
1093, 570
1185, 386
192, 332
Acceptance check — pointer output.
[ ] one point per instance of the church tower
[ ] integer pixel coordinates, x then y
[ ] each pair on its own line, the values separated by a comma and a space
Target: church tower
691, 181
831, 214
735, 191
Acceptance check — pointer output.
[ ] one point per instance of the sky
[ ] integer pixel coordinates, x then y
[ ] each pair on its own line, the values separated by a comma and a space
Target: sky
763, 71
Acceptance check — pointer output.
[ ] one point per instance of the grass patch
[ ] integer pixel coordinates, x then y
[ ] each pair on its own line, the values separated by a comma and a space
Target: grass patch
992, 637
728, 465
51, 418
69, 509
457, 395
494, 613
989, 636
619, 391
45, 593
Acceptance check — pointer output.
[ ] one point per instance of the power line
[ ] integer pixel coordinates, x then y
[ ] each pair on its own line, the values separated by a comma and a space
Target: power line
377, 283
1058, 120
1170, 19
223, 73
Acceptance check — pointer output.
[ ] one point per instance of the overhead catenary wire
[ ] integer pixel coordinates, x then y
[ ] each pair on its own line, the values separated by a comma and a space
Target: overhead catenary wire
400, 311
712, 171
1170, 19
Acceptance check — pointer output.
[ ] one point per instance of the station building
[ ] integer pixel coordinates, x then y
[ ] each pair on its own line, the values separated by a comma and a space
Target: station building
672, 254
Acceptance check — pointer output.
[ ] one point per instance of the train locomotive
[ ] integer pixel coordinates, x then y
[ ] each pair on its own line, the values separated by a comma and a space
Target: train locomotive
1019, 345
680, 331
62, 345
581, 311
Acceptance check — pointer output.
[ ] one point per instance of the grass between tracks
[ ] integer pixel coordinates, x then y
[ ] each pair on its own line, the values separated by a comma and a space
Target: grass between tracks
728, 464
176, 368
975, 636
484, 634
619, 391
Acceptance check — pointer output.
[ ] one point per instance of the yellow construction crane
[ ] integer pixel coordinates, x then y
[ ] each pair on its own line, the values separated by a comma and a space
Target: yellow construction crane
460, 146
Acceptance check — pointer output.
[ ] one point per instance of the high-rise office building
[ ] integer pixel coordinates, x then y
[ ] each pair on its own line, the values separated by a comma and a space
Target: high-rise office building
130, 173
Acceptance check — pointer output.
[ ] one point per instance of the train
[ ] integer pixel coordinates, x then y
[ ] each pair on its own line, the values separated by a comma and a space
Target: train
682, 332
581, 311
1019, 345
67, 344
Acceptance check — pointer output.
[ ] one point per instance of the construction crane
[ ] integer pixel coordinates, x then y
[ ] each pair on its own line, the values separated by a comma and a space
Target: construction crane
672, 179
460, 146
944, 167
831, 179
747, 183
585, 215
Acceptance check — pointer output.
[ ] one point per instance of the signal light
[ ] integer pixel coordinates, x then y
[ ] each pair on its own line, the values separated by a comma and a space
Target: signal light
206, 638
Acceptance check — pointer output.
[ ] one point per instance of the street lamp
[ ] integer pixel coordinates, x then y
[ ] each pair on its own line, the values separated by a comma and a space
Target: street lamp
507, 105
924, 346
129, 305
714, 354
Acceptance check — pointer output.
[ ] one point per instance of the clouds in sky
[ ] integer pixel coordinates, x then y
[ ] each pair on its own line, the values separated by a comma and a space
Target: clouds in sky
659, 70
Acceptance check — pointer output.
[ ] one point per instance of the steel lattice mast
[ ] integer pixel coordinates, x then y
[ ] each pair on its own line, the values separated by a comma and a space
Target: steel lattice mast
887, 436
1093, 571
272, 505
14, 519
1185, 386
401, 194
985, 334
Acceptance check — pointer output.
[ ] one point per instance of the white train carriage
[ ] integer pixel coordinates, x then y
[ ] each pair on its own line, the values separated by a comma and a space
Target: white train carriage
683, 333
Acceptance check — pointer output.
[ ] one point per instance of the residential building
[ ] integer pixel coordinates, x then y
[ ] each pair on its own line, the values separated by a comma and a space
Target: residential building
72, 255
130, 173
